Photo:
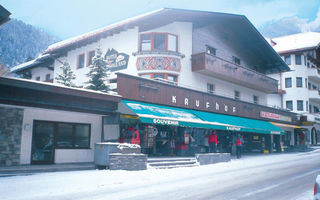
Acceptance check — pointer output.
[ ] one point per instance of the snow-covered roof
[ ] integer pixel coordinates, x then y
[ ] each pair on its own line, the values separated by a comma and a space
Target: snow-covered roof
296, 42
98, 31
30, 63
39, 83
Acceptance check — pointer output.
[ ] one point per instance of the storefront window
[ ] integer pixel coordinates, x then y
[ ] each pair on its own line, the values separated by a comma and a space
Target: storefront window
73, 135
82, 136
65, 135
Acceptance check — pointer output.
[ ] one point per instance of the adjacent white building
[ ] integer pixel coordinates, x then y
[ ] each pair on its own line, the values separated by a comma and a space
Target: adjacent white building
299, 87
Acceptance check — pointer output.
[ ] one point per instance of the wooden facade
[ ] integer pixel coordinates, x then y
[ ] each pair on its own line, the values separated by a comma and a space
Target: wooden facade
221, 68
145, 90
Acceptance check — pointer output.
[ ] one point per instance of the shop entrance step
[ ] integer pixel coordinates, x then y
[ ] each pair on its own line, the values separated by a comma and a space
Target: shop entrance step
171, 162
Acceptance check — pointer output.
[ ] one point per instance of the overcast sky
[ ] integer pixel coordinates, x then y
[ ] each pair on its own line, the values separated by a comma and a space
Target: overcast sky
67, 18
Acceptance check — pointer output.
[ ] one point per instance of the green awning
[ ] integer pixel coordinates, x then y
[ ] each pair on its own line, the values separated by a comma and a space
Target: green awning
243, 124
165, 115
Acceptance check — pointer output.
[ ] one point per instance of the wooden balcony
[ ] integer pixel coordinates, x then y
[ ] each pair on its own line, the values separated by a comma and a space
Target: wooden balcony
222, 69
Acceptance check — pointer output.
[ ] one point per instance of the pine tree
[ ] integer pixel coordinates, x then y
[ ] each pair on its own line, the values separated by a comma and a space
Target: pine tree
98, 74
67, 76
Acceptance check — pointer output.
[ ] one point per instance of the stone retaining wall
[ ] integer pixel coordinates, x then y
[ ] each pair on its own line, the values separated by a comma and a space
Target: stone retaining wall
211, 158
120, 161
10, 135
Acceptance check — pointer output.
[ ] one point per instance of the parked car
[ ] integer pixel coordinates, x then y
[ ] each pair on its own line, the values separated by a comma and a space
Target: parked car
316, 193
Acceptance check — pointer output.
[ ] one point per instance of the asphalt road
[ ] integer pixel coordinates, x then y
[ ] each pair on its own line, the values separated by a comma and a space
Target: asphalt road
275, 181
262, 177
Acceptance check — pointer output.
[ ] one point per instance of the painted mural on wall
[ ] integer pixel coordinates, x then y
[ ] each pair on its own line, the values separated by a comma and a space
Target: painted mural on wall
115, 60
158, 63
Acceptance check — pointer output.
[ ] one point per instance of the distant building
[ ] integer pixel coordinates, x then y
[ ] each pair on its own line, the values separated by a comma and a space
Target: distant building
300, 86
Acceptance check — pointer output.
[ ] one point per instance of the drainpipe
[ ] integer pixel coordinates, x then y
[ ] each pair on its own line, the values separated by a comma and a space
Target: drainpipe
281, 95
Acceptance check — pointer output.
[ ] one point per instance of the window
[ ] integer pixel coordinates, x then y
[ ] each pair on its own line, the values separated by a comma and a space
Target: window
210, 88
306, 82
310, 108
91, 54
145, 76
305, 60
71, 135
314, 87
47, 77
80, 61
298, 59
172, 42
145, 42
168, 78
172, 79
236, 60
255, 99
236, 95
210, 50
159, 42
289, 105
315, 109
299, 82
309, 86
159, 76
38, 78
300, 105
287, 59
288, 82
307, 105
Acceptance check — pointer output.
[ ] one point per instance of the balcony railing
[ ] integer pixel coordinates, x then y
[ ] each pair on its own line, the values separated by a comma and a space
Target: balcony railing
226, 70
313, 74
314, 95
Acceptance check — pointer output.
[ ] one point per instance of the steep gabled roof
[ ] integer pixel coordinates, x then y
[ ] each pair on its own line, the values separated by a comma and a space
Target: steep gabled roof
238, 27
297, 42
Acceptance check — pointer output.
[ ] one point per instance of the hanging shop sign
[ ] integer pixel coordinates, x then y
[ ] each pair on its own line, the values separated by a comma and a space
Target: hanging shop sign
166, 122
115, 60
269, 115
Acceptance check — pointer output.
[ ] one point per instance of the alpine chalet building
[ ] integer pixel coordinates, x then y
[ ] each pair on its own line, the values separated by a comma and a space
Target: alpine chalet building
181, 73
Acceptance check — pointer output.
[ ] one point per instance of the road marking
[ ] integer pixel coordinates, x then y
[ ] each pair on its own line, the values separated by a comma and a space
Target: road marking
278, 184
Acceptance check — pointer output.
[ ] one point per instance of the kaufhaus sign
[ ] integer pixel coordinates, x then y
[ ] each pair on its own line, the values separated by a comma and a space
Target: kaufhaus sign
145, 90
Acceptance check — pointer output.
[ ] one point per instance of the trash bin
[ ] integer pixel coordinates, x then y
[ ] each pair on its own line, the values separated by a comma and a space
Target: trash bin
101, 153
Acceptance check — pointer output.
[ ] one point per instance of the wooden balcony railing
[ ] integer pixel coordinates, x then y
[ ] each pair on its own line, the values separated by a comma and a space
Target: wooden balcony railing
217, 67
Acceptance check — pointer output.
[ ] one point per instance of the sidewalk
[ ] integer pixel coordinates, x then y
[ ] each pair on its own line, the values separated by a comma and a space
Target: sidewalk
32, 169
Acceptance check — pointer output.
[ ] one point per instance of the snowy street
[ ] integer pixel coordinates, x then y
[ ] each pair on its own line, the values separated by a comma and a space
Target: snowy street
277, 176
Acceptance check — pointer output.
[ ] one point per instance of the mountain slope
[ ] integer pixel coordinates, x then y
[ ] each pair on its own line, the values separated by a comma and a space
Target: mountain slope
20, 41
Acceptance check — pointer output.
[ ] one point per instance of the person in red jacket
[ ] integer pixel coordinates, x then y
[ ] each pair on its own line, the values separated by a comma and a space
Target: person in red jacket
238, 146
213, 141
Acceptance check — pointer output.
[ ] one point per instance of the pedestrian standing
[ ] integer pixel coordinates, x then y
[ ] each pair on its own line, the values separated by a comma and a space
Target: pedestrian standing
213, 141
238, 146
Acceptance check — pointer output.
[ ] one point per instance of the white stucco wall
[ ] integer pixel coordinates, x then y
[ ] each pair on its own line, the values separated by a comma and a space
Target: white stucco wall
123, 42
128, 42
61, 155
41, 72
